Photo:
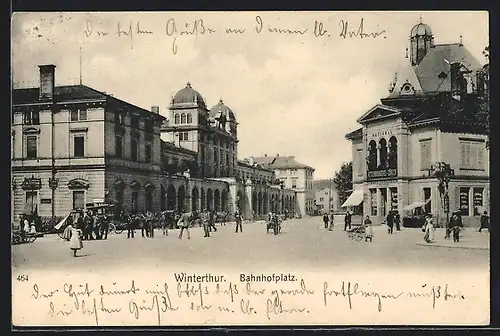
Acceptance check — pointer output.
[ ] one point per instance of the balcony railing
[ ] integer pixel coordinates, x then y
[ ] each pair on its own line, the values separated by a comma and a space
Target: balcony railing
380, 173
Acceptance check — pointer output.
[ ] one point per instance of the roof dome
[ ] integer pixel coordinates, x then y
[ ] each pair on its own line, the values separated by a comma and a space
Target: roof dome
223, 109
188, 95
421, 29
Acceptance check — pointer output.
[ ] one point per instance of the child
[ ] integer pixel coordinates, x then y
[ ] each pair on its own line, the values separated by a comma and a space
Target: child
75, 242
368, 229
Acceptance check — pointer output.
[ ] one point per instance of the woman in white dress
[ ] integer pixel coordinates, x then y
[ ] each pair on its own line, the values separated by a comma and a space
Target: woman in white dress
429, 229
368, 229
75, 242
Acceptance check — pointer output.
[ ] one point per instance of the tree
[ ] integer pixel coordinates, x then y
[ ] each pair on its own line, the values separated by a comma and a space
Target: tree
343, 181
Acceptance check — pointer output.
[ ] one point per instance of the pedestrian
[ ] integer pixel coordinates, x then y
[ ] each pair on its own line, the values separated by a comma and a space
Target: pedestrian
205, 220
144, 226
238, 220
485, 221
211, 220
332, 222
347, 220
325, 220
183, 222
132, 224
397, 220
368, 229
104, 227
390, 222
429, 229
164, 223
151, 226
75, 242
88, 223
456, 226
223, 218
449, 226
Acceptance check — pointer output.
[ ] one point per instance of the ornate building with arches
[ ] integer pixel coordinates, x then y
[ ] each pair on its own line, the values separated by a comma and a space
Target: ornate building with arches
432, 114
73, 146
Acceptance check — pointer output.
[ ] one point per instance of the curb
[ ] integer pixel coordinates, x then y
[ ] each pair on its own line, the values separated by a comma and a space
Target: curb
455, 246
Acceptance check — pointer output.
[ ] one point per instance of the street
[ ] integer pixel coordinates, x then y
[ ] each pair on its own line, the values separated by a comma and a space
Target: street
303, 243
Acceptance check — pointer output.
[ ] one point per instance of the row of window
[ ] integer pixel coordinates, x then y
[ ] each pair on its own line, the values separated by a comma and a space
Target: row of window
32, 117
183, 118
134, 149
469, 202
472, 156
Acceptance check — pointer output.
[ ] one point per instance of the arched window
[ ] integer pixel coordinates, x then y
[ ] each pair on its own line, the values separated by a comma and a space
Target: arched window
176, 118
372, 155
189, 118
183, 118
383, 153
393, 152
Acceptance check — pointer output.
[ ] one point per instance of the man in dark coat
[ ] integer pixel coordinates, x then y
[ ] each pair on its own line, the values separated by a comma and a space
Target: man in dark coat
347, 220
485, 221
133, 223
325, 220
397, 220
390, 222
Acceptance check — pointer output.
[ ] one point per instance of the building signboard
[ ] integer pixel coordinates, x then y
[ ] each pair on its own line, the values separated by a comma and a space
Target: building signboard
382, 173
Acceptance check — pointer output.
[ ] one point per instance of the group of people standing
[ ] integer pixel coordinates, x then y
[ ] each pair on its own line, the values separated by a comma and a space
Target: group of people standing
393, 219
329, 221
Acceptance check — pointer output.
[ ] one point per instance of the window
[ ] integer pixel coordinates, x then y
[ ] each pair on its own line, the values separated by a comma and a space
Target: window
31, 117
79, 145
133, 149
176, 118
119, 146
294, 182
31, 204
134, 121
472, 155
119, 118
427, 200
477, 197
321, 199
135, 199
183, 136
148, 126
78, 114
183, 118
464, 201
119, 197
359, 158
148, 153
373, 202
31, 146
189, 118
78, 199
425, 154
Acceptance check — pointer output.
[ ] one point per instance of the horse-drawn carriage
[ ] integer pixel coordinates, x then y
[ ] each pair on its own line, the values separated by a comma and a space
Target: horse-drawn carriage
21, 237
274, 224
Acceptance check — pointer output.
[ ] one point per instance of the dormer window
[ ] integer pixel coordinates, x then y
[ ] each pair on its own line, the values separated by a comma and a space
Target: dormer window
442, 75
407, 89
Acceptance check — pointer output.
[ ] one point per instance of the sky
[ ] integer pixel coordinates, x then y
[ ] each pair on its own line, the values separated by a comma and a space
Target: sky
294, 94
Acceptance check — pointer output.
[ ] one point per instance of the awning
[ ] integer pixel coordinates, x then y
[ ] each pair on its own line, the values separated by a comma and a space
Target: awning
415, 205
354, 199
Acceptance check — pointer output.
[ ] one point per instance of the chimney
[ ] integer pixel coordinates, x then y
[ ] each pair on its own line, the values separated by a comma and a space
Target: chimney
265, 155
155, 109
278, 154
291, 157
47, 81
251, 160
456, 80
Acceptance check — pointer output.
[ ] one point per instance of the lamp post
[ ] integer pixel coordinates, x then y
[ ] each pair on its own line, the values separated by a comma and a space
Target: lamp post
443, 172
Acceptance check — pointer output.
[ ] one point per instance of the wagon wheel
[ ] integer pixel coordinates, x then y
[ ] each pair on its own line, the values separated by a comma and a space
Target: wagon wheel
358, 237
112, 228
119, 229
16, 239
31, 239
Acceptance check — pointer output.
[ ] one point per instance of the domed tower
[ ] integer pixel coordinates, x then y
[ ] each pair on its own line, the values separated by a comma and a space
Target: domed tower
187, 117
421, 40
224, 121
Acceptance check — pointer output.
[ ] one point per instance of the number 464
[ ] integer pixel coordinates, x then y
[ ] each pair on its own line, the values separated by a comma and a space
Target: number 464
22, 277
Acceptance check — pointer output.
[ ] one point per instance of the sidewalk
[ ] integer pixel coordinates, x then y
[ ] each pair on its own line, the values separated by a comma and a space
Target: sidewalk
469, 239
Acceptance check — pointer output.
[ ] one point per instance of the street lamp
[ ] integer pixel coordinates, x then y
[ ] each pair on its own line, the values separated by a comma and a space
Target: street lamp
443, 172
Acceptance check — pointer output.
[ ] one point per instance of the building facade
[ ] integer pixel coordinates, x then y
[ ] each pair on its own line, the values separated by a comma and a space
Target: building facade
293, 175
326, 196
433, 115
73, 146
